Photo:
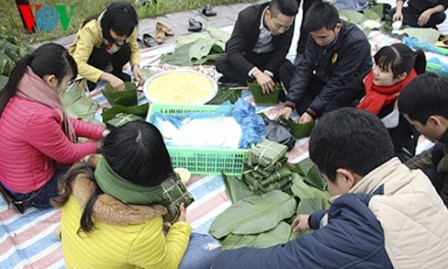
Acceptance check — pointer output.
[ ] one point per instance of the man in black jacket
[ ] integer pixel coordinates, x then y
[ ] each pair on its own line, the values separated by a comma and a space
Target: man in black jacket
336, 58
259, 43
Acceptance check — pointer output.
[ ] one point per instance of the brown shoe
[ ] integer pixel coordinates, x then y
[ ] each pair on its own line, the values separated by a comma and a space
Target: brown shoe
168, 31
160, 35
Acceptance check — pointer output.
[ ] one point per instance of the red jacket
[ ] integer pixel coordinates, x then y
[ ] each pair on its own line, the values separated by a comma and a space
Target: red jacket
32, 140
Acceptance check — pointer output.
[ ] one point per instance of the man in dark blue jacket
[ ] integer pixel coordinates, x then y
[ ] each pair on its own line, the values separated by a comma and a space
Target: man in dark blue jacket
259, 43
337, 55
382, 214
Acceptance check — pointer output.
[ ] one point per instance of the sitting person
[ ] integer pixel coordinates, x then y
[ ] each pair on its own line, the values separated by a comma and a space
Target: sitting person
259, 43
109, 217
382, 214
37, 137
423, 102
337, 55
420, 13
395, 66
105, 43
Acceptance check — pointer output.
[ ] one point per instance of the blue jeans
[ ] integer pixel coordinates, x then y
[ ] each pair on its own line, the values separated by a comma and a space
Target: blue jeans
42, 198
201, 251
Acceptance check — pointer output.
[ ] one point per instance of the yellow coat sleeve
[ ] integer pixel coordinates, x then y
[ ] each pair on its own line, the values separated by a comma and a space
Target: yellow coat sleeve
87, 38
135, 50
153, 250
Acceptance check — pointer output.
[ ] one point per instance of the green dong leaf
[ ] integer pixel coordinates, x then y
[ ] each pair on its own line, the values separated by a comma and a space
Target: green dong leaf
128, 97
255, 214
302, 190
236, 188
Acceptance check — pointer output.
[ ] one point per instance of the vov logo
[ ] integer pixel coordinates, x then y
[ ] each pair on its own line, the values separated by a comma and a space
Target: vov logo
46, 18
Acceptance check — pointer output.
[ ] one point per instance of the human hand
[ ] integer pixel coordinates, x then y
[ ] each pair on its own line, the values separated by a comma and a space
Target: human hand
300, 223
305, 118
424, 17
265, 81
99, 145
398, 16
138, 75
182, 213
115, 82
105, 133
285, 113
166, 226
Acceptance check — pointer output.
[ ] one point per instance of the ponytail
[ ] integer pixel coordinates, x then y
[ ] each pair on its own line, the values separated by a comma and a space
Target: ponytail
11, 86
48, 59
420, 62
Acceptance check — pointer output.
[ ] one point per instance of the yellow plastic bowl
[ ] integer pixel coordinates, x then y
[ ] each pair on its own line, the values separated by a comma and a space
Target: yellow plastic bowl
184, 174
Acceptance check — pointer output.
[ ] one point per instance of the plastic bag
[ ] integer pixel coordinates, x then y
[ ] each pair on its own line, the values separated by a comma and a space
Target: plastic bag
279, 132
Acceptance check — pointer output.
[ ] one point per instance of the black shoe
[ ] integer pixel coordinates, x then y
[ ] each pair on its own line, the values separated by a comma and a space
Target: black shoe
208, 11
195, 26
149, 40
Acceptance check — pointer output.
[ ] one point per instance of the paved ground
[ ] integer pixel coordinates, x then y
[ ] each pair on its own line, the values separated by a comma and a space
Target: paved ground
226, 15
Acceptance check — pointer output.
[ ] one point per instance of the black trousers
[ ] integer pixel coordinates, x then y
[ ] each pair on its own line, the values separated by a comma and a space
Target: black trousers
101, 59
347, 96
232, 75
410, 17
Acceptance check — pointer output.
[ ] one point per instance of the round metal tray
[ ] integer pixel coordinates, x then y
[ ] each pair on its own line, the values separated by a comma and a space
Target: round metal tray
199, 102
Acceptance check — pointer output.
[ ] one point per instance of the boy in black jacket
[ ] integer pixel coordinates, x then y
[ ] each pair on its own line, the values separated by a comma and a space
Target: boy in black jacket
336, 56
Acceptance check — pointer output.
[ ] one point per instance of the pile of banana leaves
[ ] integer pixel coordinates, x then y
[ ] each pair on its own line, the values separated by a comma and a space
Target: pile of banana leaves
11, 51
123, 103
77, 106
263, 220
198, 48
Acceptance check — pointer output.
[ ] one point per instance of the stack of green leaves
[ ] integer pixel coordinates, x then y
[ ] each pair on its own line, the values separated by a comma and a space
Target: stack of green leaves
124, 106
370, 19
127, 97
198, 48
121, 119
263, 220
267, 154
300, 130
262, 99
77, 106
264, 170
11, 51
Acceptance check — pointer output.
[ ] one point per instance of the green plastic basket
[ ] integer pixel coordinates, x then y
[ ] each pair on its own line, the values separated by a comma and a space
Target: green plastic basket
199, 160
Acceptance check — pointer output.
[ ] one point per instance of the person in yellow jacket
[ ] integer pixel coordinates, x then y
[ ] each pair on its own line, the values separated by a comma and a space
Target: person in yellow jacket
105, 43
99, 230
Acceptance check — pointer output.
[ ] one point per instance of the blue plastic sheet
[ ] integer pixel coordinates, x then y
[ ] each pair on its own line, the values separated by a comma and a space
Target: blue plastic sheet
414, 43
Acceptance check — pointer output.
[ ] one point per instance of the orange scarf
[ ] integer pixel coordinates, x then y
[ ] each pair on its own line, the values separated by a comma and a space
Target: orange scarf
378, 97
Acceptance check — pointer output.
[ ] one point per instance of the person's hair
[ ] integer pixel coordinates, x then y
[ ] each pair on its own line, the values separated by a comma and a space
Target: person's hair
48, 59
285, 7
351, 139
119, 17
321, 15
399, 58
424, 96
135, 151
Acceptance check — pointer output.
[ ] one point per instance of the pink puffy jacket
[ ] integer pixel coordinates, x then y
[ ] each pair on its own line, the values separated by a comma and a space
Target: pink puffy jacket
31, 140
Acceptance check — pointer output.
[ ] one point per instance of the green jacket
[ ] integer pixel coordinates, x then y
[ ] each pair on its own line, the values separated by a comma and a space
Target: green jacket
435, 158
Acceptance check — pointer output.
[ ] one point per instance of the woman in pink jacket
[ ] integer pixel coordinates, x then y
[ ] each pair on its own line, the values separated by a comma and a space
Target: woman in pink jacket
37, 137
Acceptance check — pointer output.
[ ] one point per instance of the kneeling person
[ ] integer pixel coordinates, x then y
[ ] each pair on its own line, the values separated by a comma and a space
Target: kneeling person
259, 44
